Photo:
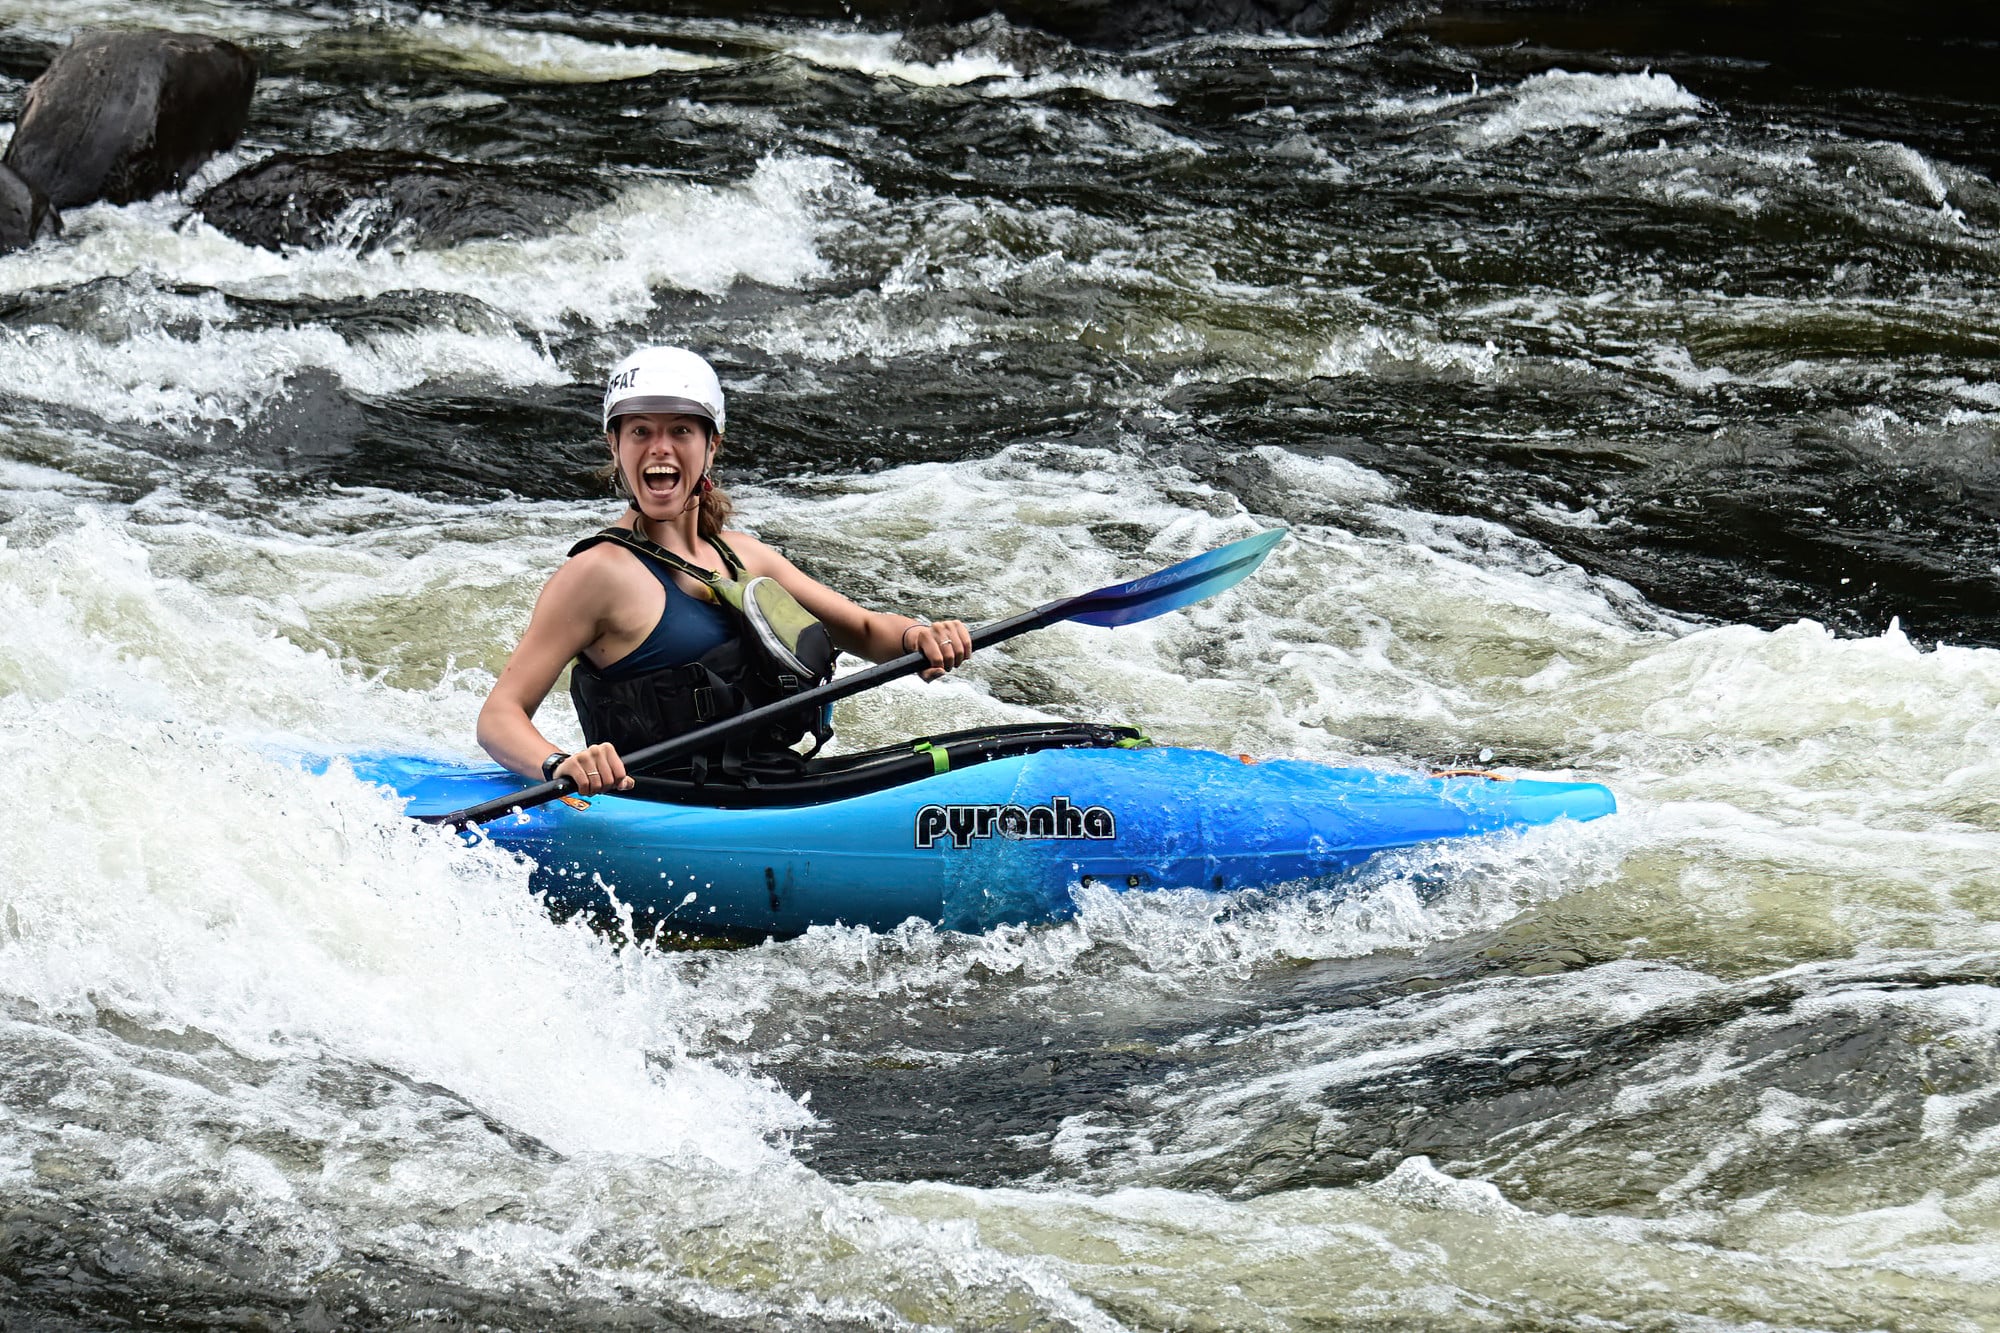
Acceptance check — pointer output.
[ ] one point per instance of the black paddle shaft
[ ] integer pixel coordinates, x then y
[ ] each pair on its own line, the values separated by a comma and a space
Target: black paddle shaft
692, 741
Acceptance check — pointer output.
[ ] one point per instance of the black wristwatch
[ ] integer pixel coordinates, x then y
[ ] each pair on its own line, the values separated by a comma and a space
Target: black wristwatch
550, 765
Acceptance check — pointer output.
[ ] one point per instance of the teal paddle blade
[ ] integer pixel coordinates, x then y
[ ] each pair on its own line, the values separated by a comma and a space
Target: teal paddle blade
1175, 586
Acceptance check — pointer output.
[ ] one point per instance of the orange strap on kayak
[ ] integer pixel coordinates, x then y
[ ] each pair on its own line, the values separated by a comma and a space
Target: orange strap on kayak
1488, 774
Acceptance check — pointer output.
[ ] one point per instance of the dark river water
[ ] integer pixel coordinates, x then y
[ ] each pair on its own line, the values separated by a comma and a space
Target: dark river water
1628, 376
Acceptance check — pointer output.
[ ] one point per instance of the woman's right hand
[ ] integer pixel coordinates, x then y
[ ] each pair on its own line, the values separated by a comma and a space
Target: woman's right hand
595, 769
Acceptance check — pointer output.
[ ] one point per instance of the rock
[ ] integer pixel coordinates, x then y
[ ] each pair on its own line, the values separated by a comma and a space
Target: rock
124, 115
25, 215
368, 198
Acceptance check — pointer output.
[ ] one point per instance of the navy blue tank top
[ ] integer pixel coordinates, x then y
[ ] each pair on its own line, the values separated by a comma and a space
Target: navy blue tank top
688, 628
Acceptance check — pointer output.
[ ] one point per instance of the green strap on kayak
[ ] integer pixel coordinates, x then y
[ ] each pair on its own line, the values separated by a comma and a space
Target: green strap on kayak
941, 757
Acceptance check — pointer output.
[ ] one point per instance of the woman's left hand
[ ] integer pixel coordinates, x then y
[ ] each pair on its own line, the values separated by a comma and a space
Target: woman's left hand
944, 645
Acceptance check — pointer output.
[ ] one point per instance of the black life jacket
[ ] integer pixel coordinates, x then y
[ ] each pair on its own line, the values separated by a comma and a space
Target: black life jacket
734, 677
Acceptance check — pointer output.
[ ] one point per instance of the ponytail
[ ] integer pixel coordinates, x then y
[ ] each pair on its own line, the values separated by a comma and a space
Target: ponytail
716, 508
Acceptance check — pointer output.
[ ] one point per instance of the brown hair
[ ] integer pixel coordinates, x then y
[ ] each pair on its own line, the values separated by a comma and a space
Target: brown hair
716, 507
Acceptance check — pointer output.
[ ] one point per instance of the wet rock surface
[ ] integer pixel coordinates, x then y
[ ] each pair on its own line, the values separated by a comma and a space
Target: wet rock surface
122, 116
25, 215
366, 199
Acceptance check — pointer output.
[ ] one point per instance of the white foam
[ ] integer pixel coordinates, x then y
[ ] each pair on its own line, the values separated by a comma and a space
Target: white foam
864, 325
1140, 89
1886, 188
228, 375
1330, 477
1676, 364
59, 20
547, 56
1429, 1250
1553, 100
1562, 515
1928, 178
425, 36
1384, 353
1558, 100
1415, 1183
18, 479
1287, 1071
603, 267
880, 55
550, 57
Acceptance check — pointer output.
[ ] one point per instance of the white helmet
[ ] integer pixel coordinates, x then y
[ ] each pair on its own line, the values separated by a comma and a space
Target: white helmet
663, 379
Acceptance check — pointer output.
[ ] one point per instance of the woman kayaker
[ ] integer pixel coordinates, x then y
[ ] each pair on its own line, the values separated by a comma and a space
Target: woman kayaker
648, 610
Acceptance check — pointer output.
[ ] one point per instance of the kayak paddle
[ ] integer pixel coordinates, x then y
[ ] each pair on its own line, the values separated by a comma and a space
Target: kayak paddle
1154, 594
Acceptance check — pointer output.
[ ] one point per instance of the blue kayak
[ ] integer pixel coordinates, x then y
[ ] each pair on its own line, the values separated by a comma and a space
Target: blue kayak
1002, 841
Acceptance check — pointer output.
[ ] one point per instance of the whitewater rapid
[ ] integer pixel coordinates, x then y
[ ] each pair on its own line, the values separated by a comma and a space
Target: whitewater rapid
1724, 1061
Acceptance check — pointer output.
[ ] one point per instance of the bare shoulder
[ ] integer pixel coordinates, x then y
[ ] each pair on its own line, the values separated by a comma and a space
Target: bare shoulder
590, 577
589, 566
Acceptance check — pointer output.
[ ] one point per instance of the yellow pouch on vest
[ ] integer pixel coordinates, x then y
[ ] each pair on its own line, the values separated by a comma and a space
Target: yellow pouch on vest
795, 647
791, 636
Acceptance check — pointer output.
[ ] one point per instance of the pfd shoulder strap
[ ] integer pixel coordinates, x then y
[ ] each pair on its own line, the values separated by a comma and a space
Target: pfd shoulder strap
653, 551
730, 559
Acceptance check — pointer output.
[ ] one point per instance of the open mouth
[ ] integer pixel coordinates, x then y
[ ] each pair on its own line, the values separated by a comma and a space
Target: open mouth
659, 479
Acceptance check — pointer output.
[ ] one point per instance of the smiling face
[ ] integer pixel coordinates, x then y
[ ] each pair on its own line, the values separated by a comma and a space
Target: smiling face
661, 457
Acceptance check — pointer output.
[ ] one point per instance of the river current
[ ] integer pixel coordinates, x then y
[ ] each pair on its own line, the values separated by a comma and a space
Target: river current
1633, 420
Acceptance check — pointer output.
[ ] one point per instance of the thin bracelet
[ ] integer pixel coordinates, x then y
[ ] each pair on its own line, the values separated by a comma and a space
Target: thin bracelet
904, 642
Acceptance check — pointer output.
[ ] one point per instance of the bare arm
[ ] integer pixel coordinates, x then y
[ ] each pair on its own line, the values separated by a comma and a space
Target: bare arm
875, 635
568, 617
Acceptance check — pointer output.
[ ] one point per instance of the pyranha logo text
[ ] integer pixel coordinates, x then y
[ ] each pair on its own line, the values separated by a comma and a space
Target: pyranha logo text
1058, 819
